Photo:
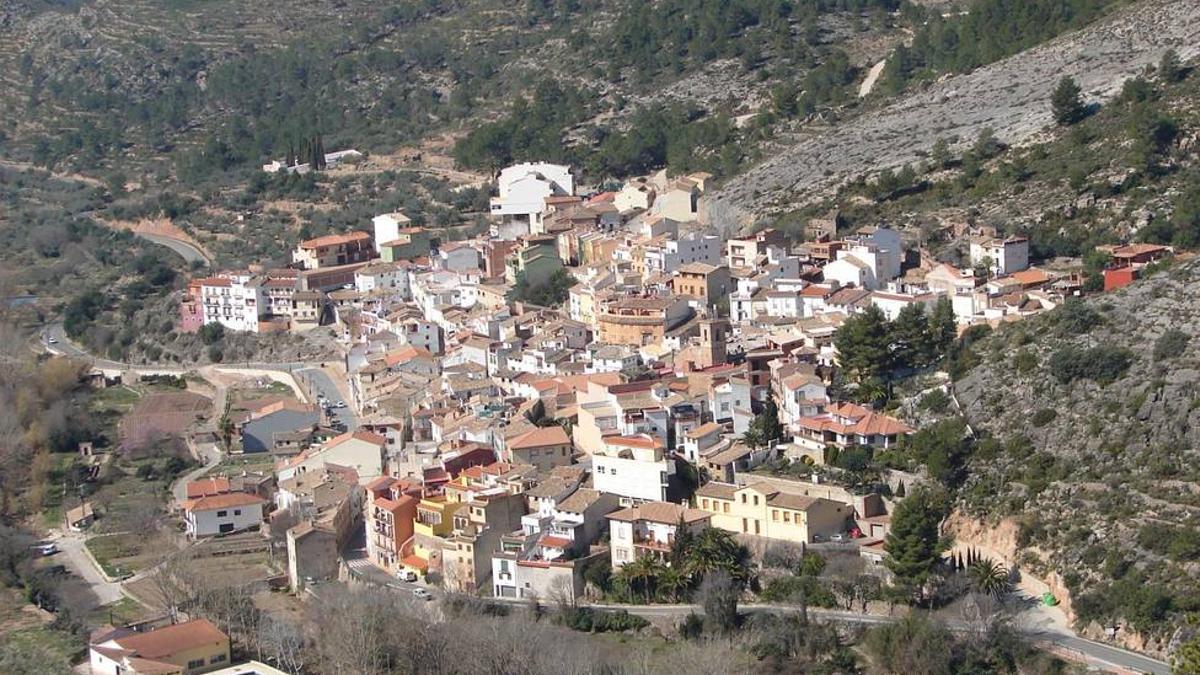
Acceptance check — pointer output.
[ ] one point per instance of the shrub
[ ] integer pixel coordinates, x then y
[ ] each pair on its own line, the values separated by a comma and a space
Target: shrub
1074, 317
589, 620
793, 589
935, 401
1102, 363
1025, 362
1043, 417
1170, 344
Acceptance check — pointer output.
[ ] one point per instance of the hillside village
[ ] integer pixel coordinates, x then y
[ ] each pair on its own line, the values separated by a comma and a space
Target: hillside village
521, 363
671, 382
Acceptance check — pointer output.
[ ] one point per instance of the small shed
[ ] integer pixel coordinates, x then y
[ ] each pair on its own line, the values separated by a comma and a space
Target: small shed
81, 517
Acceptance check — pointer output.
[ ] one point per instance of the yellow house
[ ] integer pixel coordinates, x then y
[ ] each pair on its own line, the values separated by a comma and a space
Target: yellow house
435, 520
196, 646
767, 510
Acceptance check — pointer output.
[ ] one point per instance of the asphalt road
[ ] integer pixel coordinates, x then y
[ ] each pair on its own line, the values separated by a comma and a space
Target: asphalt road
70, 547
319, 381
185, 250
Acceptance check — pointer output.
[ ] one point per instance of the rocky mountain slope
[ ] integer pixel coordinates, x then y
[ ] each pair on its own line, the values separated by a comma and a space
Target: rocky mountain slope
1010, 96
1094, 410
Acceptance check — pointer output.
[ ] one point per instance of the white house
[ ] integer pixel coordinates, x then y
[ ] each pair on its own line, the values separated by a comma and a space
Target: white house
635, 468
383, 276
223, 513
362, 451
612, 359
234, 300
186, 648
850, 270
888, 246
1002, 256
650, 529
388, 226
523, 189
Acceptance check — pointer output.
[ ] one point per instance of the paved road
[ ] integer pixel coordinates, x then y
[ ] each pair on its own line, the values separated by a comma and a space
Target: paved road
210, 456
185, 250
319, 381
71, 546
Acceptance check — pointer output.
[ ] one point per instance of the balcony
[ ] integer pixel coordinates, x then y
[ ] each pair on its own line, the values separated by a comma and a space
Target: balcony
653, 544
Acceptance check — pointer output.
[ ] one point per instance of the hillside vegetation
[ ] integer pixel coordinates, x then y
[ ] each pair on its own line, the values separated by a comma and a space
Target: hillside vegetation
1094, 410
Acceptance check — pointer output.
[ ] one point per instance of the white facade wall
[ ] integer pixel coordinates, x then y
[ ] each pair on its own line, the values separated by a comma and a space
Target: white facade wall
631, 479
236, 306
208, 523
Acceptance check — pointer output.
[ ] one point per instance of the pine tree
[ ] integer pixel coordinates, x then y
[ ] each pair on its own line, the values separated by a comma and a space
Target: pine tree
912, 342
901, 492
1170, 70
291, 155
863, 346
914, 544
1066, 102
943, 329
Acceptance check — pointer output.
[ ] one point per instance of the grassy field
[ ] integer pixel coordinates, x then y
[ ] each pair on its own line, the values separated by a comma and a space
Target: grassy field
123, 611
126, 553
259, 461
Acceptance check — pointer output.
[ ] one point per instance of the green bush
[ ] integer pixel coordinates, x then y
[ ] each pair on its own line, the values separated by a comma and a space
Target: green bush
589, 620
1043, 417
1025, 361
1102, 363
807, 589
1170, 344
935, 401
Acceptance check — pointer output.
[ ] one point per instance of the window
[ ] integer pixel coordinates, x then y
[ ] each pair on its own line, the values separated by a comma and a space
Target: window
221, 514
195, 663
756, 528
756, 500
725, 507
219, 658
745, 526
600, 469
613, 472
237, 512
743, 498
787, 517
704, 503
775, 515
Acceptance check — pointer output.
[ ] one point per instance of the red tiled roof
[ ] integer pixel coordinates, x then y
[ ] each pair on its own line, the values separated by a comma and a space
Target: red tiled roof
540, 437
172, 640
639, 441
335, 239
224, 501
365, 436
862, 422
556, 542
207, 487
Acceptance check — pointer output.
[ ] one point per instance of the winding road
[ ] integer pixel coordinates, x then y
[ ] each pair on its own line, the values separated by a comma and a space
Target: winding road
189, 253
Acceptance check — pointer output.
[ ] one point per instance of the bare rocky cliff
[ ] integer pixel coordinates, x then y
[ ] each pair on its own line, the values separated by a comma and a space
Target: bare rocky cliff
1010, 96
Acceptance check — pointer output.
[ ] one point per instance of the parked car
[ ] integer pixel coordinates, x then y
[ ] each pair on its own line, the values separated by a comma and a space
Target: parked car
407, 575
48, 549
839, 538
340, 404
422, 594
53, 341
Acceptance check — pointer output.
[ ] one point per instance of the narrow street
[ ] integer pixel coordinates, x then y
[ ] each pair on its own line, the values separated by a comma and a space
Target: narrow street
71, 546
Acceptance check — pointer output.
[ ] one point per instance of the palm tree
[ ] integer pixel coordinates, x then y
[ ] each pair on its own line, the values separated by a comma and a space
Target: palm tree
643, 572
714, 549
672, 582
990, 578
